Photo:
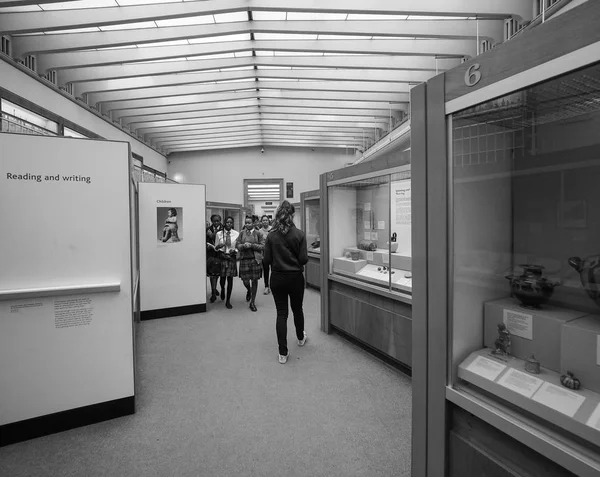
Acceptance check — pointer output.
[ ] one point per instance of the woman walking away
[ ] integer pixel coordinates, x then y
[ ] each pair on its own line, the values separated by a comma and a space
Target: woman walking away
285, 251
225, 243
264, 231
250, 243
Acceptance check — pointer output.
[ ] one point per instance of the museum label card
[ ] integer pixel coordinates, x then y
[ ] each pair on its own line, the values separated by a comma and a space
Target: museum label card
367, 224
486, 368
369, 256
374, 236
381, 224
520, 382
367, 206
559, 399
594, 420
367, 235
519, 324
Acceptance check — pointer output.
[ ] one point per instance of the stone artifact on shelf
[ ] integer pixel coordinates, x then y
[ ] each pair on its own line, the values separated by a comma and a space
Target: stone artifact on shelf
530, 287
502, 343
367, 245
570, 381
532, 365
589, 272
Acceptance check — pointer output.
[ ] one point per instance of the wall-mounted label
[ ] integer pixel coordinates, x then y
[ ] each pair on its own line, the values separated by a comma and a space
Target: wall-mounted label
473, 75
367, 206
381, 224
374, 236
519, 324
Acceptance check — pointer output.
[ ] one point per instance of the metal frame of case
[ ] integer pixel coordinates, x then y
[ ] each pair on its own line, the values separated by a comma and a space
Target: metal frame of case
224, 208
567, 43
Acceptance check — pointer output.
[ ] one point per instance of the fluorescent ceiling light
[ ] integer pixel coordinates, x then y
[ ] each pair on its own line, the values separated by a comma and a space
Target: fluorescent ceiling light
128, 26
197, 20
78, 5
316, 16
268, 15
231, 17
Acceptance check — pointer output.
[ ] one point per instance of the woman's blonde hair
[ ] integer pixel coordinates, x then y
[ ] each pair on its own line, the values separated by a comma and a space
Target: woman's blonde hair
284, 218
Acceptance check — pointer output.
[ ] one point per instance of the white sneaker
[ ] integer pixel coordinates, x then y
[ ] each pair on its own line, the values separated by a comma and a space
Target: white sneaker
267, 291
302, 342
283, 359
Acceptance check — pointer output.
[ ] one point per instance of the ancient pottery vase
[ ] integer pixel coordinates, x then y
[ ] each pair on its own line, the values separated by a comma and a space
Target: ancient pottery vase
589, 273
530, 287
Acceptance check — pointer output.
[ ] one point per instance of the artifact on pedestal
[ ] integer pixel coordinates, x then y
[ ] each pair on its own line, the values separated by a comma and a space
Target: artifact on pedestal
589, 272
367, 245
530, 287
502, 343
532, 365
570, 381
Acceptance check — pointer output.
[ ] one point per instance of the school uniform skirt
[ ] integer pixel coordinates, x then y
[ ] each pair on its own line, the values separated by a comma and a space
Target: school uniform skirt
250, 269
228, 267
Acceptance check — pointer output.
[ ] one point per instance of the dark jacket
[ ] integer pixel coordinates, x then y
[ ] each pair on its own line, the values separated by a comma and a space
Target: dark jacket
286, 253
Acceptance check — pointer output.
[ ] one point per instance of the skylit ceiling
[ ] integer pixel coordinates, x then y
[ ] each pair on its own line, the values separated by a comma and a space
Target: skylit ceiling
213, 74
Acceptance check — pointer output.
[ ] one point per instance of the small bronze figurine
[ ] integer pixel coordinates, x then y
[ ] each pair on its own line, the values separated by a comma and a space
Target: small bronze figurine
502, 343
532, 365
570, 381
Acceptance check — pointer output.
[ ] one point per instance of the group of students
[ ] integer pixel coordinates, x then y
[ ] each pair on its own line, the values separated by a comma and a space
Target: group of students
259, 246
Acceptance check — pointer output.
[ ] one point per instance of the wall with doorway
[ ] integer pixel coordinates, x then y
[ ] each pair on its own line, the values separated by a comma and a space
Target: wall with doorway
223, 171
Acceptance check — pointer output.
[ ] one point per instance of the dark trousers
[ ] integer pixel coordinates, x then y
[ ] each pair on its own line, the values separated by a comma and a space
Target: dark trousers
266, 268
284, 285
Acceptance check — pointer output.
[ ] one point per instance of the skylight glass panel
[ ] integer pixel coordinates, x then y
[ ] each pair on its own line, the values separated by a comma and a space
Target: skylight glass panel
237, 68
265, 53
316, 16
360, 16
298, 53
284, 36
242, 54
197, 20
344, 37
216, 56
273, 67
128, 26
127, 3
265, 78
239, 80
164, 43
434, 17
268, 15
74, 30
78, 5
24, 8
231, 17
221, 38
164, 60
125, 47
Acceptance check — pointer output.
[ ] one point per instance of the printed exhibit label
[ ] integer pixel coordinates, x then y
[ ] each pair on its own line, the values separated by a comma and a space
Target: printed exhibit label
559, 399
381, 224
594, 420
367, 206
367, 235
486, 368
519, 324
69, 312
520, 382
367, 224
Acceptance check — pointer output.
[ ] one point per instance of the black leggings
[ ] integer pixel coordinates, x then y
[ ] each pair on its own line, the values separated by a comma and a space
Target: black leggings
286, 286
266, 268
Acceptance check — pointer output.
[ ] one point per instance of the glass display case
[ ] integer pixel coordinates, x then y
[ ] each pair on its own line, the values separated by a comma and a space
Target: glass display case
312, 222
366, 253
297, 215
526, 251
370, 230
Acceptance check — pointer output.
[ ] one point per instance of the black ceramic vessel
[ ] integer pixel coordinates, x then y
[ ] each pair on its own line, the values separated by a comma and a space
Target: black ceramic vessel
589, 273
530, 287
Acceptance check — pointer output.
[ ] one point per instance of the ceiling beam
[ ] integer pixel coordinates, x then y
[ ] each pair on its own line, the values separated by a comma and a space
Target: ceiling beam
29, 22
458, 29
134, 70
379, 76
449, 47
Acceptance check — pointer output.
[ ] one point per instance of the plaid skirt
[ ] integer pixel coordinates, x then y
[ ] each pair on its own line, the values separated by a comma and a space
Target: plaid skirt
228, 268
250, 270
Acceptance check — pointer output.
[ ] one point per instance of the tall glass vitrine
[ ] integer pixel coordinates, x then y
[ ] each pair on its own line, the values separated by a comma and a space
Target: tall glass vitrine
310, 203
510, 308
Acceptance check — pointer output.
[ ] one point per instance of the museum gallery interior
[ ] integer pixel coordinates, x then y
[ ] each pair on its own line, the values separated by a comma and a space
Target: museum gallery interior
443, 160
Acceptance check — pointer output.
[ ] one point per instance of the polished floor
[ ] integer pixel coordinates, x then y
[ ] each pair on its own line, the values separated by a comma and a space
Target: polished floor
212, 400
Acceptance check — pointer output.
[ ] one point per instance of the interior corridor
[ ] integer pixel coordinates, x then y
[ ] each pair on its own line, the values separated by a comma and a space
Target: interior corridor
212, 400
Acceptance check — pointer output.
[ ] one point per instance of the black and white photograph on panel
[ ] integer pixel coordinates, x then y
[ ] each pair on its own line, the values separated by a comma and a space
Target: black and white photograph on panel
169, 221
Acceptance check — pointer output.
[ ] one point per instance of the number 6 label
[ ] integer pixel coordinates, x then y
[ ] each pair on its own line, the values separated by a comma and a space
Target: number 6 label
473, 75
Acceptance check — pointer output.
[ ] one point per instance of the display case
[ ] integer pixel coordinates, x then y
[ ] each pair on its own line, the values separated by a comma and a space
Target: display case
366, 253
311, 225
225, 210
297, 215
512, 306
